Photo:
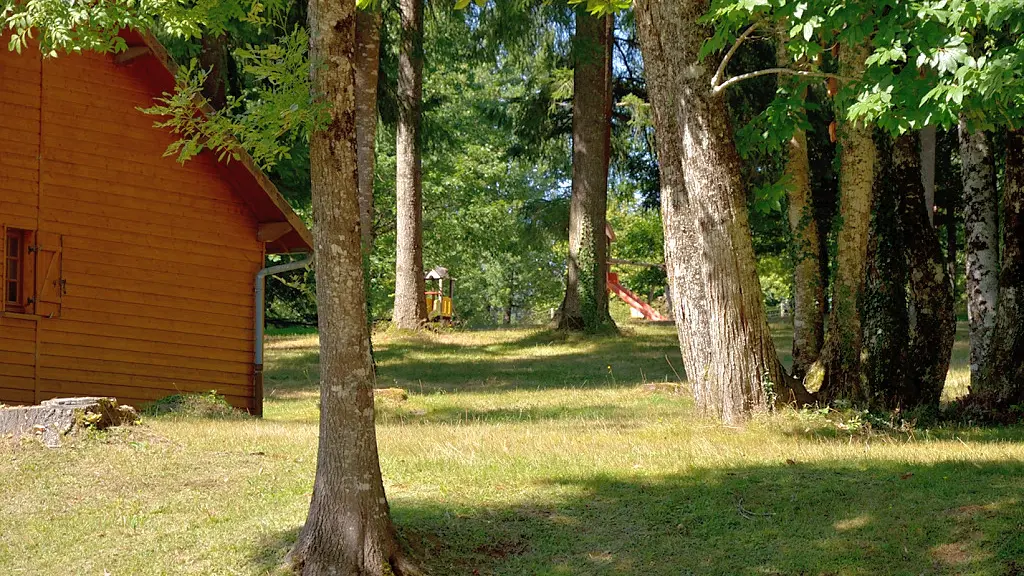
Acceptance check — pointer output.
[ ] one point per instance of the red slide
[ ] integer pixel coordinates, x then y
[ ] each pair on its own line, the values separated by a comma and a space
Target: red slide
635, 303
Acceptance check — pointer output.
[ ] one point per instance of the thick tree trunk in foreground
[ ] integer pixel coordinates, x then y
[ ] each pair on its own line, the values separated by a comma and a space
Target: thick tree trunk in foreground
410, 305
884, 321
726, 345
367, 68
348, 531
838, 370
981, 226
808, 286
1001, 385
932, 317
585, 306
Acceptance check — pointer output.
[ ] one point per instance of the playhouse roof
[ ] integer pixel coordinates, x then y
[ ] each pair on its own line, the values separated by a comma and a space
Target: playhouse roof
437, 273
280, 227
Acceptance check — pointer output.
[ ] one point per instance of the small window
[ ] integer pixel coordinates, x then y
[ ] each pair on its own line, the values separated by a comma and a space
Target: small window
14, 267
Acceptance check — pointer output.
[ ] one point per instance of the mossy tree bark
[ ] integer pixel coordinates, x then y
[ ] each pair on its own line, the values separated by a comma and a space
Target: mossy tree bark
726, 345
838, 370
981, 226
585, 306
348, 530
884, 321
1001, 385
932, 318
808, 284
410, 310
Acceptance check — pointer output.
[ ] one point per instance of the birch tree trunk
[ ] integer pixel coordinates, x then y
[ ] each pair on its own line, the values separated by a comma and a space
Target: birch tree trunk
932, 326
410, 310
348, 531
1001, 385
927, 137
808, 286
726, 345
981, 226
838, 370
367, 68
585, 306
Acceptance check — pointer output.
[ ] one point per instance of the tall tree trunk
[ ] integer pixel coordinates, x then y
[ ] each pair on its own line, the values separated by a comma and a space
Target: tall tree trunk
348, 530
981, 224
932, 325
808, 285
507, 320
928, 141
951, 245
213, 57
410, 305
723, 331
1001, 385
884, 321
367, 68
838, 370
585, 306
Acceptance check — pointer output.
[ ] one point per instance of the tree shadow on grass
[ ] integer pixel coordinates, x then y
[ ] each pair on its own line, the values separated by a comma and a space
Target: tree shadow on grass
849, 518
398, 413
538, 360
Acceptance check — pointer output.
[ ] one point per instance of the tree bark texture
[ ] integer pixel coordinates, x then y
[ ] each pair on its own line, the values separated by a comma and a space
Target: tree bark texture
932, 318
838, 369
213, 57
1001, 385
808, 285
367, 68
348, 531
585, 306
884, 321
981, 227
724, 337
410, 310
928, 137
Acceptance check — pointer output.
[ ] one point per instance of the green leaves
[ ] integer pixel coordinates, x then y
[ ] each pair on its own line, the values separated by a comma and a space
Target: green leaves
266, 121
463, 4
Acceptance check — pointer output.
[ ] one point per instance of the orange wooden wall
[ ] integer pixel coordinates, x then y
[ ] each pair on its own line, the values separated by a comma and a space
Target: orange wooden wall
158, 258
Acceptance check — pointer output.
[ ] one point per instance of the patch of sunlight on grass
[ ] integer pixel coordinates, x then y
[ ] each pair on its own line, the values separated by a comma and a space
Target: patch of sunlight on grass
526, 452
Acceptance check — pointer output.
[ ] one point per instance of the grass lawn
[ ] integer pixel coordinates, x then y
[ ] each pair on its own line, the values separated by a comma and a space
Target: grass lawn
522, 452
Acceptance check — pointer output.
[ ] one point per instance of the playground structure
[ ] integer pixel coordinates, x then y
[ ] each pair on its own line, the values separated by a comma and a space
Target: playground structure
638, 307
439, 302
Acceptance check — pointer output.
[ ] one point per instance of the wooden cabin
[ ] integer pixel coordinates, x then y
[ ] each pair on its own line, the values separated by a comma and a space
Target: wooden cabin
125, 273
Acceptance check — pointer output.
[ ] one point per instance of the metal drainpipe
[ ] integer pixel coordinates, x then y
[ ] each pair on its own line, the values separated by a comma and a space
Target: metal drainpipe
260, 312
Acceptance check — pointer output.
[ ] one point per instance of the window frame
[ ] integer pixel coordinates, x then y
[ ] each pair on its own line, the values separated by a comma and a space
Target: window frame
21, 236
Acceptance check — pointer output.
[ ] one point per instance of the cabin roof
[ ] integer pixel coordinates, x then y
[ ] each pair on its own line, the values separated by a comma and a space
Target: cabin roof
280, 227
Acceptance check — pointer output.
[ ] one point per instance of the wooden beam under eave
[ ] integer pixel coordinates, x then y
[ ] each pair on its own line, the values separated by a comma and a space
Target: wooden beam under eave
133, 52
271, 231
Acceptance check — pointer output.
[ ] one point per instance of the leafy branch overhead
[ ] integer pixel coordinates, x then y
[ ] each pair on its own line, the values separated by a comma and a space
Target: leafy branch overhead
931, 62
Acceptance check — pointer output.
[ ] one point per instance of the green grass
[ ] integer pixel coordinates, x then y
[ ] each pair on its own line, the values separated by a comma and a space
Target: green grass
525, 452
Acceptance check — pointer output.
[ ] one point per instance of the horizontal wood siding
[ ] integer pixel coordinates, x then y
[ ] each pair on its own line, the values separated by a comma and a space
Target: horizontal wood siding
20, 83
159, 258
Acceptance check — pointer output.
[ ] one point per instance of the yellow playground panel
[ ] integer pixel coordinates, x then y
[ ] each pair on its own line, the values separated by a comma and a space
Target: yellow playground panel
439, 302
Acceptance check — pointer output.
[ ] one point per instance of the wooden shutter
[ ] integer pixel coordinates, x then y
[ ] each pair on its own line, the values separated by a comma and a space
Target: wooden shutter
49, 274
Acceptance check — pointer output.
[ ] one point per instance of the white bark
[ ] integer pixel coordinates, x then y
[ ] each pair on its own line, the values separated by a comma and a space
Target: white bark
981, 224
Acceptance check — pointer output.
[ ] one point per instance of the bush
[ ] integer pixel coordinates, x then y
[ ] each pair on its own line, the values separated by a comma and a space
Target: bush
200, 405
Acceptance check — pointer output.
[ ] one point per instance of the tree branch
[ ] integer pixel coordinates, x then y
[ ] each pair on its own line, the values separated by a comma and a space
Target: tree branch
718, 88
728, 55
